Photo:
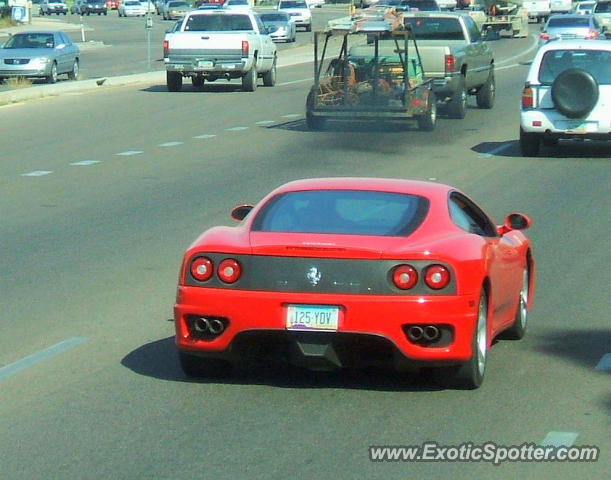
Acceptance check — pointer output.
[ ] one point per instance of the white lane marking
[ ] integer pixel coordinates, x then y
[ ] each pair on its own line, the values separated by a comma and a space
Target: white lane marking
85, 163
265, 122
311, 79
170, 144
496, 150
129, 153
205, 135
291, 115
605, 363
433, 179
40, 356
37, 173
559, 439
236, 129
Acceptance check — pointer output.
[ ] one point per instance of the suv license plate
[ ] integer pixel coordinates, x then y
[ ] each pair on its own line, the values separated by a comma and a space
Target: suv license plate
205, 64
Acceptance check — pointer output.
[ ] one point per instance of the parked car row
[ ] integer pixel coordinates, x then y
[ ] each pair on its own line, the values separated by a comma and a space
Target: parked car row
88, 7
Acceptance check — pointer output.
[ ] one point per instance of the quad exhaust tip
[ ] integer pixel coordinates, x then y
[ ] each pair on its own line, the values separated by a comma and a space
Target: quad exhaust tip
203, 325
427, 333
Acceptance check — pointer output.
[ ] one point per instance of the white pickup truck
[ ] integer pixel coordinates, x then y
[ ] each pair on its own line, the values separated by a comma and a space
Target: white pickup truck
213, 44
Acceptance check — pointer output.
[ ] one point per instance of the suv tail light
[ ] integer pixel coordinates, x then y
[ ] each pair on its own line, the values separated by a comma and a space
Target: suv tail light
229, 270
527, 97
166, 47
405, 277
245, 48
592, 34
544, 36
437, 277
450, 63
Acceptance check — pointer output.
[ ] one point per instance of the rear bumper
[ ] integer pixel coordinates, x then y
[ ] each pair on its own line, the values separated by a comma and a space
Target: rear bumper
253, 318
554, 124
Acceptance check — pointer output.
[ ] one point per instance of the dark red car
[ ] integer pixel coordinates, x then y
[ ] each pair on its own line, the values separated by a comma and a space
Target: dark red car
336, 272
113, 4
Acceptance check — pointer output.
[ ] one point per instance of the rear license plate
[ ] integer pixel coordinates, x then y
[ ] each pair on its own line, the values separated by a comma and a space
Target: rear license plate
205, 64
312, 317
577, 126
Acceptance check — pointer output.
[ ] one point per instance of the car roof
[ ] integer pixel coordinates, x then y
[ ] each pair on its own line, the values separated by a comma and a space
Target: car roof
576, 45
392, 185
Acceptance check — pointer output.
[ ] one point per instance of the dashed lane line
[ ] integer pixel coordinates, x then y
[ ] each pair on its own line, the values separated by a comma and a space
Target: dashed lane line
205, 136
236, 129
560, 439
85, 163
129, 153
170, 144
37, 173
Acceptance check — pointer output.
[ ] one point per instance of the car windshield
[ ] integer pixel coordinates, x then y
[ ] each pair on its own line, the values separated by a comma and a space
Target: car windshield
274, 17
568, 22
30, 40
178, 4
236, 2
218, 23
293, 4
602, 7
597, 62
132, 4
436, 28
353, 212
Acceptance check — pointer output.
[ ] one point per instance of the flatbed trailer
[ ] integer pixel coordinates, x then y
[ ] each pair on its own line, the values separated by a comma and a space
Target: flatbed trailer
377, 74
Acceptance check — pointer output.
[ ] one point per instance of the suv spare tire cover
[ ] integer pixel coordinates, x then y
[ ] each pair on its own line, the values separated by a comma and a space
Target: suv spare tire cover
575, 92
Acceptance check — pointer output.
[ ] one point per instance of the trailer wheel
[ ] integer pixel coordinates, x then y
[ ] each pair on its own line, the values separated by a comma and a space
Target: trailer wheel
427, 122
174, 81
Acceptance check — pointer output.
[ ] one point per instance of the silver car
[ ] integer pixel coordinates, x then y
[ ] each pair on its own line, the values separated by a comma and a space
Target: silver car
280, 26
39, 54
571, 27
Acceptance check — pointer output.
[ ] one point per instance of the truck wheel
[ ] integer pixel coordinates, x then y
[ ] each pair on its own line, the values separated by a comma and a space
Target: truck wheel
457, 107
427, 121
197, 82
174, 81
249, 80
529, 143
269, 77
487, 93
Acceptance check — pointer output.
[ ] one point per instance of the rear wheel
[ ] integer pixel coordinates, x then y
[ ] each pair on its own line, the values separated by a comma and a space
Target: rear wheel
197, 82
518, 329
269, 77
174, 81
487, 93
529, 143
249, 80
457, 107
428, 121
72, 75
194, 366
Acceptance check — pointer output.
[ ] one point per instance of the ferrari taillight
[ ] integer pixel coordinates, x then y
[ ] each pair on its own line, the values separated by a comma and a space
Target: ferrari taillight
405, 277
527, 97
450, 63
229, 270
437, 277
245, 48
166, 48
202, 269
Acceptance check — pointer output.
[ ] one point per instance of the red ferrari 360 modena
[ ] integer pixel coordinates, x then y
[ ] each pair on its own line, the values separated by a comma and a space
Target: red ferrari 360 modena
334, 272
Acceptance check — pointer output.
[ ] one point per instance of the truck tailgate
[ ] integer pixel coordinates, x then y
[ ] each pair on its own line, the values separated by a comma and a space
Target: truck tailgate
434, 57
213, 45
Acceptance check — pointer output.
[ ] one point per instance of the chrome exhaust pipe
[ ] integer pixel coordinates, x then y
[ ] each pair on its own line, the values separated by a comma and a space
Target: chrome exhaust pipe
414, 333
201, 325
431, 333
216, 326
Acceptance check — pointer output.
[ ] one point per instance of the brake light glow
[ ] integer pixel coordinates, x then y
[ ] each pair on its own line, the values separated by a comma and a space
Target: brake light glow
450, 63
544, 36
229, 270
527, 97
166, 48
437, 277
202, 269
405, 277
245, 48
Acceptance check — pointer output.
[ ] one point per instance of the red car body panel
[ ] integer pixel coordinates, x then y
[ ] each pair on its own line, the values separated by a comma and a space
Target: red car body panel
496, 263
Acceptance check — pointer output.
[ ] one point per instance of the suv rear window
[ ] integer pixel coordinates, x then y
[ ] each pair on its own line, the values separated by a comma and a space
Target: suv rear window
218, 23
602, 7
597, 62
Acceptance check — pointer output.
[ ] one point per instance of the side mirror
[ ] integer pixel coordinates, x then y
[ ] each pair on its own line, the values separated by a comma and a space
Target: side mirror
515, 221
239, 213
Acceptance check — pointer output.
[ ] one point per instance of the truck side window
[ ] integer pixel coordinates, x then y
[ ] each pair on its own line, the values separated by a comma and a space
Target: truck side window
474, 32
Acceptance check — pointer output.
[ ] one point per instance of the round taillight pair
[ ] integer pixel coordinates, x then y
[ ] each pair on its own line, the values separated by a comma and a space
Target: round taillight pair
437, 277
405, 277
229, 270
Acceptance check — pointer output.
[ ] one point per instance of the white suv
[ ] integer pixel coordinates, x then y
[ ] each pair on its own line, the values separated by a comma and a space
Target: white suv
299, 12
567, 94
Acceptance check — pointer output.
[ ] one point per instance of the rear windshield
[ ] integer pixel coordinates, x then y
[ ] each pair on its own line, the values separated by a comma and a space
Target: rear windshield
352, 212
274, 17
218, 23
603, 7
427, 28
569, 22
293, 4
597, 62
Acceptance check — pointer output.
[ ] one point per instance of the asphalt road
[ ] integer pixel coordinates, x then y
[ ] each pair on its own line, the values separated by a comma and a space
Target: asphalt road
101, 194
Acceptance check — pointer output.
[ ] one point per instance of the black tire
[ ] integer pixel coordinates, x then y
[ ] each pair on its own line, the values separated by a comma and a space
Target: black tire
198, 367
457, 106
197, 82
427, 122
313, 122
470, 375
518, 329
52, 77
73, 74
308, 28
487, 93
269, 77
575, 93
249, 80
529, 143
174, 81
